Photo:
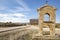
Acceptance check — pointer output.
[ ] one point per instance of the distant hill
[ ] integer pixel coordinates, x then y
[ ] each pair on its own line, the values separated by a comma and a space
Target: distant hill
10, 24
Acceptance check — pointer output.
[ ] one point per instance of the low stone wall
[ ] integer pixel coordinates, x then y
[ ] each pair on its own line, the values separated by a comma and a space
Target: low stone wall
16, 34
56, 37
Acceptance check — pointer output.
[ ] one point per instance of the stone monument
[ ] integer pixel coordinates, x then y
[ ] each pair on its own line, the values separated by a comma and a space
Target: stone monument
49, 10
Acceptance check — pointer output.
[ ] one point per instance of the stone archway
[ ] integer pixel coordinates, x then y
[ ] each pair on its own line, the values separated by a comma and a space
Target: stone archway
51, 23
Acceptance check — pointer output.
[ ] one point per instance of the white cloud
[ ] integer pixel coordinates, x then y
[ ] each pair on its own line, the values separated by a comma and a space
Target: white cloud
15, 17
22, 3
22, 6
10, 12
19, 15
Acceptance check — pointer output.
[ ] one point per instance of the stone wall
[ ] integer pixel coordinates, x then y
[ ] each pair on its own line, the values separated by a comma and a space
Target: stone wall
16, 34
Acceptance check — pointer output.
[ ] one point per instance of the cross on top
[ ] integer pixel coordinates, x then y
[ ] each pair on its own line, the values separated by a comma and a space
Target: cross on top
46, 1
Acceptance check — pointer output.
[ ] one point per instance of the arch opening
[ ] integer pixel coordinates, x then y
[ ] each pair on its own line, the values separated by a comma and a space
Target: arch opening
46, 30
46, 17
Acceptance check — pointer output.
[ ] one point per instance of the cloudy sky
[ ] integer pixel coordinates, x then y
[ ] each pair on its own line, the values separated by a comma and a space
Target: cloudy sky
23, 10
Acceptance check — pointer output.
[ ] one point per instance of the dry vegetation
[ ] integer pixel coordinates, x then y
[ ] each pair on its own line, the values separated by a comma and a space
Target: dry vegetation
10, 24
57, 25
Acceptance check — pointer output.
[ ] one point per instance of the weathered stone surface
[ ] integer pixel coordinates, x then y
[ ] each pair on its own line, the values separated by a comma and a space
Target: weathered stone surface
17, 34
56, 37
51, 24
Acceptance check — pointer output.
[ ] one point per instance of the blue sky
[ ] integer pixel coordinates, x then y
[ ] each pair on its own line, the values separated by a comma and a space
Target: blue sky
23, 10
